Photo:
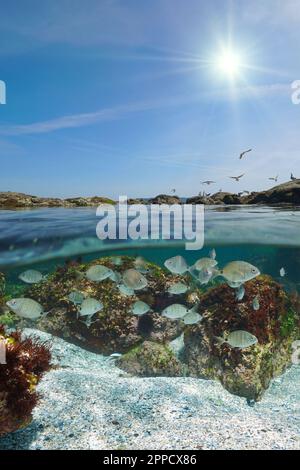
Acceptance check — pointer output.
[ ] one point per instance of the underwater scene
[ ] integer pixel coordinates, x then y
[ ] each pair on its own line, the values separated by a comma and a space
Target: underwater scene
144, 344
149, 230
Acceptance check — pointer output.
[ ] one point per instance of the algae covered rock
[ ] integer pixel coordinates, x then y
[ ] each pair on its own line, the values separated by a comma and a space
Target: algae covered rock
114, 328
22, 366
151, 360
244, 372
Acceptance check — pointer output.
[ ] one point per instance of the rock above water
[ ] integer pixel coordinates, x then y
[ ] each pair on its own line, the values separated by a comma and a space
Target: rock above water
286, 193
283, 193
21, 200
217, 198
165, 199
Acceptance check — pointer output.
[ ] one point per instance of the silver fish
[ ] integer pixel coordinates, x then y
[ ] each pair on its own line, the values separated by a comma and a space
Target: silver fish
89, 307
192, 317
240, 293
115, 277
177, 265
255, 303
205, 263
26, 308
98, 273
125, 290
178, 288
282, 272
213, 254
203, 276
175, 311
115, 355
141, 265
76, 297
31, 276
116, 260
134, 279
239, 339
139, 308
237, 273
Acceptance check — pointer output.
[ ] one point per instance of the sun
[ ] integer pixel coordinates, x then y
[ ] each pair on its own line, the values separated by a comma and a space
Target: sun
229, 63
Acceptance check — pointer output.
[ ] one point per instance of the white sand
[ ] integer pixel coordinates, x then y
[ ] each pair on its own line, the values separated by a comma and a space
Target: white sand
88, 403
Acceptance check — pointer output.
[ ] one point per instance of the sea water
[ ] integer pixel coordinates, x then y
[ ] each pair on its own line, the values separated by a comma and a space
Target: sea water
43, 239
267, 237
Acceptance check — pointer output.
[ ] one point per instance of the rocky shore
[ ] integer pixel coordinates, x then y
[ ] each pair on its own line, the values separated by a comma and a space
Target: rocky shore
12, 200
286, 193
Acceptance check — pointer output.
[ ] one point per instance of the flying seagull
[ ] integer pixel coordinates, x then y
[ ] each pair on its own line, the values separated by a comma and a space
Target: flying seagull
244, 153
237, 178
173, 191
208, 182
293, 178
274, 179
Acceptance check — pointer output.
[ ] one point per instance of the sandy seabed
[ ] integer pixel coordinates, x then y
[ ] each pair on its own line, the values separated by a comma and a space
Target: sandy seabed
88, 403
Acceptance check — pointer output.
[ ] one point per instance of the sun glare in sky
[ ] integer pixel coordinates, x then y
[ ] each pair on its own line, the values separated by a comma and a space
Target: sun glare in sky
229, 63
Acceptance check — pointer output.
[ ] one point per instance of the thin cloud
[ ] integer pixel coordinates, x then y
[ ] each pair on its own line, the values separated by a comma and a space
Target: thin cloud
123, 111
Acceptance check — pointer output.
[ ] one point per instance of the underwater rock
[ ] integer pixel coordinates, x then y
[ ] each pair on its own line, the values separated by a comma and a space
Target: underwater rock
247, 372
26, 361
114, 328
151, 359
7, 318
2, 285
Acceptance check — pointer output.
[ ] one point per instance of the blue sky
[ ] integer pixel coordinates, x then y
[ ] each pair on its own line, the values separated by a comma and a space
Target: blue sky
114, 97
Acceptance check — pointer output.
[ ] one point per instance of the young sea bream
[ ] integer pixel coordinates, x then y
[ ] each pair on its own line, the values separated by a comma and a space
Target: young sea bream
282, 272
134, 279
141, 265
237, 273
115, 277
205, 263
89, 307
239, 339
125, 290
240, 293
181, 312
26, 308
175, 311
177, 265
177, 288
31, 276
98, 273
76, 297
139, 308
192, 317
116, 260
